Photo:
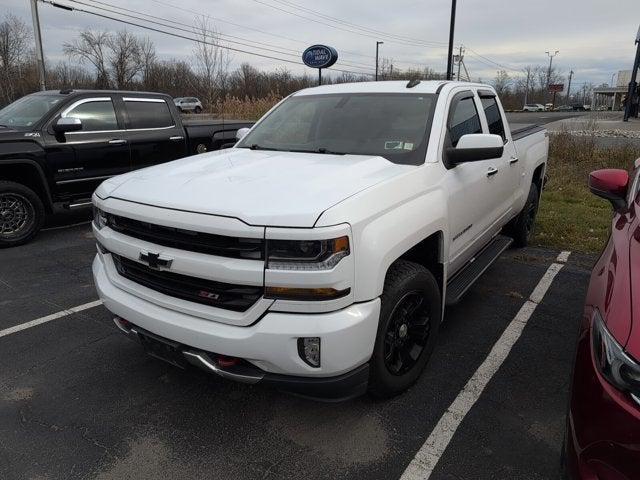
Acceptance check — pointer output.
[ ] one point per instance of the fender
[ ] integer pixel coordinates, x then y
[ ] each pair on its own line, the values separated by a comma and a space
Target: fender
387, 221
42, 179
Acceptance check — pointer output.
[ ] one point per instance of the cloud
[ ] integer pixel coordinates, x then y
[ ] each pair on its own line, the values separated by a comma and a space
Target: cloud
595, 39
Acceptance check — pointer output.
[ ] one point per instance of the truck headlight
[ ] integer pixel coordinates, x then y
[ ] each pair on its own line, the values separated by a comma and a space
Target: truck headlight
99, 218
613, 363
306, 254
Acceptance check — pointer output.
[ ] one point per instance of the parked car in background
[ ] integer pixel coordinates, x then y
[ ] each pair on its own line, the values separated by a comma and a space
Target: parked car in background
317, 255
533, 107
188, 104
56, 147
564, 108
603, 421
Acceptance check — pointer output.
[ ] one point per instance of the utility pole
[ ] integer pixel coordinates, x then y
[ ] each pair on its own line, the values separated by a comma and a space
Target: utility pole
549, 72
452, 27
633, 85
526, 90
377, 51
38, 38
460, 61
569, 88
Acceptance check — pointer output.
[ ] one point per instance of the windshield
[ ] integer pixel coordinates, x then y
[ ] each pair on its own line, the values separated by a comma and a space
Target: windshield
391, 125
27, 111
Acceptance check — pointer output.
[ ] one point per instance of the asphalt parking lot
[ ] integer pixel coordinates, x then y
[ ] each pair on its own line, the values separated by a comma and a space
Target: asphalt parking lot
79, 400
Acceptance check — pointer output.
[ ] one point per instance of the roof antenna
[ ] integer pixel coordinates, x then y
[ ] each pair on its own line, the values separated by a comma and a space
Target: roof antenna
413, 83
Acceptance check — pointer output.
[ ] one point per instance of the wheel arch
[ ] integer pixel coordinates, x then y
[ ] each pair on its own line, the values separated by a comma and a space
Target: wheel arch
28, 173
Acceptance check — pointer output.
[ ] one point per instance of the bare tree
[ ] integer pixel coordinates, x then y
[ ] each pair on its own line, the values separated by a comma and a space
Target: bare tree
501, 82
148, 59
211, 60
15, 38
124, 58
91, 47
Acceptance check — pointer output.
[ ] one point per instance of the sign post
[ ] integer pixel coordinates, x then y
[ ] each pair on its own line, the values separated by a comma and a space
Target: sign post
319, 56
555, 88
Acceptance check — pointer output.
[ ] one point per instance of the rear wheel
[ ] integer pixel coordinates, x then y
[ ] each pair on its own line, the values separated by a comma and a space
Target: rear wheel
409, 319
21, 214
521, 229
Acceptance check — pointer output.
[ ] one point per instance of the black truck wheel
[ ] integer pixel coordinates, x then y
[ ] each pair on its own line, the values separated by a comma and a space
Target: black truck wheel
21, 214
521, 229
409, 320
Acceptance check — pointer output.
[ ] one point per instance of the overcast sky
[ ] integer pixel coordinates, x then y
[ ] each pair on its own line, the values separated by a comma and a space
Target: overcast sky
595, 37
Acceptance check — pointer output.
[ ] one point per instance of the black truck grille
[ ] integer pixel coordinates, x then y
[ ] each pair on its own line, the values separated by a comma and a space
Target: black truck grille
223, 246
207, 292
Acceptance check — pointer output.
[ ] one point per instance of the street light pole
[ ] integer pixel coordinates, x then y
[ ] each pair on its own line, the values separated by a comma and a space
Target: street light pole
549, 72
38, 38
451, 30
377, 51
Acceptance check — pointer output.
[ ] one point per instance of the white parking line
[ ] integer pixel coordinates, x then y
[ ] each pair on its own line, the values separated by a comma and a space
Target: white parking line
426, 459
48, 318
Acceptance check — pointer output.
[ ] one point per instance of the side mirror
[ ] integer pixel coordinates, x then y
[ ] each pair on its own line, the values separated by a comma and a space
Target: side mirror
475, 147
67, 124
610, 184
241, 133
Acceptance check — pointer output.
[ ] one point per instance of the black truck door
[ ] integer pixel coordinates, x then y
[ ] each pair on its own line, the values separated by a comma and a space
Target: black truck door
153, 134
99, 148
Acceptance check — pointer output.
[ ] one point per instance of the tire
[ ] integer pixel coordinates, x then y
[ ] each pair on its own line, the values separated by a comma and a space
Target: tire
405, 340
197, 110
21, 214
522, 227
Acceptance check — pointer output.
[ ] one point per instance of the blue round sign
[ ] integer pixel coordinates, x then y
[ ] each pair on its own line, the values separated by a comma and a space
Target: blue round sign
319, 56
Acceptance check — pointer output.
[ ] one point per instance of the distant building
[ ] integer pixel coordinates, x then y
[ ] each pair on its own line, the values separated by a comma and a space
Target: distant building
611, 98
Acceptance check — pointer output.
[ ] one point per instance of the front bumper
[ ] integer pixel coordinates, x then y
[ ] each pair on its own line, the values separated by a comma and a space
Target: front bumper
603, 425
270, 344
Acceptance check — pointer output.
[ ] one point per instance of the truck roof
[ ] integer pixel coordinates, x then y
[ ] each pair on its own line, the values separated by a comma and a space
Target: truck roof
393, 86
98, 92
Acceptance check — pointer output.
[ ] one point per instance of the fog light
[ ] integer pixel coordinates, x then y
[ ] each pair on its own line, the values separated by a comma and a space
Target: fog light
309, 350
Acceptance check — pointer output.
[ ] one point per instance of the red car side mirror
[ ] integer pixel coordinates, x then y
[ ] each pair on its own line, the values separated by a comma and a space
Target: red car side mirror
611, 184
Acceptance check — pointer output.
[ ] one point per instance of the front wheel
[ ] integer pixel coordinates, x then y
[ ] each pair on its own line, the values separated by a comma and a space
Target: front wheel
409, 319
21, 214
197, 110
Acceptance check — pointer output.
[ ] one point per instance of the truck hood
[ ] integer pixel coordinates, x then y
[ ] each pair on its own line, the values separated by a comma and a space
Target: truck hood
285, 189
11, 135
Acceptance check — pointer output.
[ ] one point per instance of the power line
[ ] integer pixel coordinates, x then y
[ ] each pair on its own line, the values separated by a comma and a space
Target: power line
504, 67
401, 42
191, 29
146, 27
357, 26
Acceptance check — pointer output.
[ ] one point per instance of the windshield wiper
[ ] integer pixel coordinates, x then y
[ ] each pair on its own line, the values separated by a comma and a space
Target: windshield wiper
319, 150
255, 146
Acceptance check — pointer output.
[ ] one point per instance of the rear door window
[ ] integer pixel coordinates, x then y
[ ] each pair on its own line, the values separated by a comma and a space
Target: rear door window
148, 113
463, 119
494, 118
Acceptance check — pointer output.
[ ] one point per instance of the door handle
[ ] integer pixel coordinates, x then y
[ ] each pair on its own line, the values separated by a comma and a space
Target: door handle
513, 160
117, 141
176, 138
491, 171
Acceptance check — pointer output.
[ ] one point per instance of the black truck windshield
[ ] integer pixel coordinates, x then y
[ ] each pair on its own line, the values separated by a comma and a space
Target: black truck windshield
391, 125
27, 111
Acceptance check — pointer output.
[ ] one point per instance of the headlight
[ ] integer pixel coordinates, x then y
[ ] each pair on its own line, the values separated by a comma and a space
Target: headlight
99, 218
618, 368
306, 254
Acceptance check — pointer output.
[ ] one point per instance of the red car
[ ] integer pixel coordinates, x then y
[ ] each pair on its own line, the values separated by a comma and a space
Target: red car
603, 421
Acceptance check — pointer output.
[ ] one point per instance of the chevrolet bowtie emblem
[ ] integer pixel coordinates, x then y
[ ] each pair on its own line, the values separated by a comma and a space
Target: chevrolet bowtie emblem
154, 261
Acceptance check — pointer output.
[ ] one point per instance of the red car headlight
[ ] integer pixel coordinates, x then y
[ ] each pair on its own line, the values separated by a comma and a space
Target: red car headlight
613, 363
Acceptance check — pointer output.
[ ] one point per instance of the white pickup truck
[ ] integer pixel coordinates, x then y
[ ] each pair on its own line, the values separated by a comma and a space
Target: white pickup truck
318, 254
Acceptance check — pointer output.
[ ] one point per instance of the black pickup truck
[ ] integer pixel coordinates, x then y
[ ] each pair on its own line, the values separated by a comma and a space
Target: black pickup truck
56, 147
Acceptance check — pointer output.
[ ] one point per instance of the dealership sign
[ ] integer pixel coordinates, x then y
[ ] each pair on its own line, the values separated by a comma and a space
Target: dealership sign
319, 56
556, 87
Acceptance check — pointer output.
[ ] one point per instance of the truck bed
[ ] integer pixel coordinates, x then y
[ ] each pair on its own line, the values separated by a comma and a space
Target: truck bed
521, 130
